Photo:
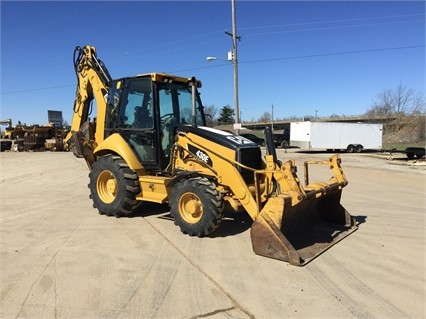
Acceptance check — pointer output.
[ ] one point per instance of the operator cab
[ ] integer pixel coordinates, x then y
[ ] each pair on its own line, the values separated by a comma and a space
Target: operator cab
146, 111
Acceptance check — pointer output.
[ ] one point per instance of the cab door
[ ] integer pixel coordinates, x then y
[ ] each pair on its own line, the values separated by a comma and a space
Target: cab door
134, 118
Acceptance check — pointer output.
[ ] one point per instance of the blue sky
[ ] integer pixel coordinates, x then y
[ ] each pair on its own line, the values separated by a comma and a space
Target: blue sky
302, 57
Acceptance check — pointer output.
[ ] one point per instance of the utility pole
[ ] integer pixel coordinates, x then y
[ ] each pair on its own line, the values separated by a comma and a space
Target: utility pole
272, 118
234, 36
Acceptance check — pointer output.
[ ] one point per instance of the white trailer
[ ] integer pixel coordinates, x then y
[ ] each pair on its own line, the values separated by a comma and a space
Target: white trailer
351, 137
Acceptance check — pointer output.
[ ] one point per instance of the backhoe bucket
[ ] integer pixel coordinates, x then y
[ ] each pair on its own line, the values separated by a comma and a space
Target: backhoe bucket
299, 233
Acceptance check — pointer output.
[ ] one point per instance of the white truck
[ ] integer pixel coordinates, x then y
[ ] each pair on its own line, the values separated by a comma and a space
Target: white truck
334, 136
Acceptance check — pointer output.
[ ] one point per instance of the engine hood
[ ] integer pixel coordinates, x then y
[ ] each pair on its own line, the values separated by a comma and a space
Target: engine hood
220, 137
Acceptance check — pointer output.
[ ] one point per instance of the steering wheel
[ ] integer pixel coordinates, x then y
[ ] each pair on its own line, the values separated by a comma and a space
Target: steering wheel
169, 120
165, 115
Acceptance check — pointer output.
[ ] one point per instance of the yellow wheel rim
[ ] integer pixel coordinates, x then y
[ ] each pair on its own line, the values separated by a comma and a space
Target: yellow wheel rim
106, 186
190, 208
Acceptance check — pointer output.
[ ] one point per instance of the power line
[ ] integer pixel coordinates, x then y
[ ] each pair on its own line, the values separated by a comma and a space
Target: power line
38, 89
331, 27
173, 44
308, 56
331, 21
253, 61
335, 53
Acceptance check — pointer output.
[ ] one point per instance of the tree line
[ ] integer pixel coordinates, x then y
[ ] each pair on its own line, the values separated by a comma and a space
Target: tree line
393, 103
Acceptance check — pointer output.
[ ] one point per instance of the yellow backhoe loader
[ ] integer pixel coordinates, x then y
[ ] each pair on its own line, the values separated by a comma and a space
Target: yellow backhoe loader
12, 132
6, 144
147, 141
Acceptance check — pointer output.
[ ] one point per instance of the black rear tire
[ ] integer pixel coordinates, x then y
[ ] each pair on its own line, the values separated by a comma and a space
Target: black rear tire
410, 155
113, 186
284, 144
196, 206
358, 148
350, 149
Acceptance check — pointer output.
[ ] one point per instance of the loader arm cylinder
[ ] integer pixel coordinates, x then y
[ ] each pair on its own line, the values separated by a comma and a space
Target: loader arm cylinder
270, 146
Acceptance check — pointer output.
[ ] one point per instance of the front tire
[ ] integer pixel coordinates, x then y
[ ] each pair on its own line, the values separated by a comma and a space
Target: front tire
113, 186
196, 206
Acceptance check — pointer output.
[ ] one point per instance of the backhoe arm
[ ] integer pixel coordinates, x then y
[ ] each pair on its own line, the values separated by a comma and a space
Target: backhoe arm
8, 122
92, 83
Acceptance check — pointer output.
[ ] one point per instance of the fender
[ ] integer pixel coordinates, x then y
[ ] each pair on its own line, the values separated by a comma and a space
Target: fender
116, 144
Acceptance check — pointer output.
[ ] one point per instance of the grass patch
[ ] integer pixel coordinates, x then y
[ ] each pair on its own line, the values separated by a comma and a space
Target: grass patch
401, 146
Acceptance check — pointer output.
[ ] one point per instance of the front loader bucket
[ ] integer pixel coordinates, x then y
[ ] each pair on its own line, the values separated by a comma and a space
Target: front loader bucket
299, 233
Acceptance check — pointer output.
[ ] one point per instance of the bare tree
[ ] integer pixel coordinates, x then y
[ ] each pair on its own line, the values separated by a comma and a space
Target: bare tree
266, 117
211, 115
397, 102
419, 104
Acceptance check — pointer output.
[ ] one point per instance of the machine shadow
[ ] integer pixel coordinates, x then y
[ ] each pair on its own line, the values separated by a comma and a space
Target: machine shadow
146, 209
360, 219
232, 223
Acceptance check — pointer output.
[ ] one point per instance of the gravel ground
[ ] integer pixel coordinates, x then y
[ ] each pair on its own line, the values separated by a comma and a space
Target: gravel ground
61, 259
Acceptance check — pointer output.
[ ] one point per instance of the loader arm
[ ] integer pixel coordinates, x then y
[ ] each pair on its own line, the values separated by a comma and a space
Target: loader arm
225, 169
